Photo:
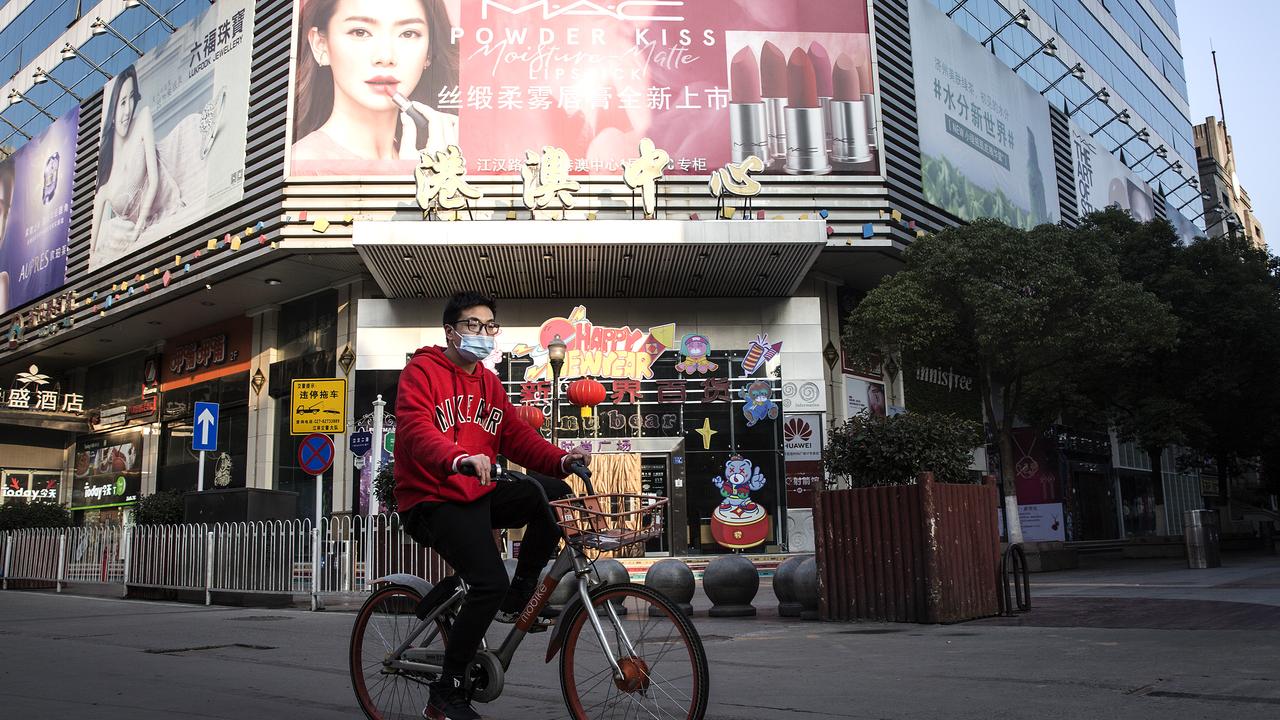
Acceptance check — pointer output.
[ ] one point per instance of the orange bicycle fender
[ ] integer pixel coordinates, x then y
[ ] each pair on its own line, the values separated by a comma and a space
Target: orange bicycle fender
562, 626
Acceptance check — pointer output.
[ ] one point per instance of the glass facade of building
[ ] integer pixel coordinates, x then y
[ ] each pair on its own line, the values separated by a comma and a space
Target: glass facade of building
41, 24
1129, 47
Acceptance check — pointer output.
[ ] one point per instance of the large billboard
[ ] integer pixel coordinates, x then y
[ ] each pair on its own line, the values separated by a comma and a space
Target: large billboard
35, 213
174, 126
709, 81
1102, 180
985, 145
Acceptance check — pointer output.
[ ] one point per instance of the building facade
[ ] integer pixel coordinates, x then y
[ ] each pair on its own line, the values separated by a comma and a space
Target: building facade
1227, 207
281, 219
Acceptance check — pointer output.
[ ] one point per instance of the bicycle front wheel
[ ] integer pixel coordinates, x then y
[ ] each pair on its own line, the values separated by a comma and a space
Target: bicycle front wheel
384, 622
663, 663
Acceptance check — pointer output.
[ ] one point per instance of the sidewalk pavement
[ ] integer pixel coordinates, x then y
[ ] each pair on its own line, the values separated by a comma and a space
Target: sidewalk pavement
78, 657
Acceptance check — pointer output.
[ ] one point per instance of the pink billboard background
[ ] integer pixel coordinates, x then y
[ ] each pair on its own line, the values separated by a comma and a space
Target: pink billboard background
592, 78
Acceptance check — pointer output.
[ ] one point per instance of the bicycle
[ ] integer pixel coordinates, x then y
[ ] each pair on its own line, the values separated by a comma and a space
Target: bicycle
397, 644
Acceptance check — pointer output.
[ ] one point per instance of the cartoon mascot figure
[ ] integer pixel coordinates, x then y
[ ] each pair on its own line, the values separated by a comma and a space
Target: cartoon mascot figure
695, 349
758, 402
739, 522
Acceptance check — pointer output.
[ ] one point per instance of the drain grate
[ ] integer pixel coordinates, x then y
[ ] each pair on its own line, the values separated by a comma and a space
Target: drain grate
174, 651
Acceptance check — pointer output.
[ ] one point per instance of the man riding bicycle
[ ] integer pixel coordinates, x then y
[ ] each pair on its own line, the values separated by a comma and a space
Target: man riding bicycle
453, 418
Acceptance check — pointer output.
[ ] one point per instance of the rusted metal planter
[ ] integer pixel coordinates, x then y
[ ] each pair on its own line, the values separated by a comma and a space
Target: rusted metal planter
925, 553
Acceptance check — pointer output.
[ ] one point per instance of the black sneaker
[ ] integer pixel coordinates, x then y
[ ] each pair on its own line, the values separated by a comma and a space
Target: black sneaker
449, 701
540, 623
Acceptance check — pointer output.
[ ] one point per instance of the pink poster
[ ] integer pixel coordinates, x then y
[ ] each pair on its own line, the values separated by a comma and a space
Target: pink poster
709, 81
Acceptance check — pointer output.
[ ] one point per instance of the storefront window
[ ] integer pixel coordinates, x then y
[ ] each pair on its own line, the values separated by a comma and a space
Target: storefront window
28, 486
306, 342
116, 381
225, 467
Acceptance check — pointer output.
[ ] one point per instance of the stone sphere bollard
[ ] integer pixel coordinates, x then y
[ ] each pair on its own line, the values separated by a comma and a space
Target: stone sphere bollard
784, 586
672, 578
611, 572
806, 588
731, 583
564, 592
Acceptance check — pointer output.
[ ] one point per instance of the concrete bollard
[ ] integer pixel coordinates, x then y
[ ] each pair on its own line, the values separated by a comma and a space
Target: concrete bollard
805, 584
731, 583
674, 579
784, 580
612, 572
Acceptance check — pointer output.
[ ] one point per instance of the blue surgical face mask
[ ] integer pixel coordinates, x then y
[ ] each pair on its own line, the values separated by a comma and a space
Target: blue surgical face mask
474, 348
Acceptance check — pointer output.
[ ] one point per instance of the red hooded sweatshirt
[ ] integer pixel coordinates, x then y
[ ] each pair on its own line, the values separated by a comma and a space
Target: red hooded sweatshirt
444, 414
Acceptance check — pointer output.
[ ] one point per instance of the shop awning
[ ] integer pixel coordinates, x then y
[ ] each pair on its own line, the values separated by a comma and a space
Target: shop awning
607, 258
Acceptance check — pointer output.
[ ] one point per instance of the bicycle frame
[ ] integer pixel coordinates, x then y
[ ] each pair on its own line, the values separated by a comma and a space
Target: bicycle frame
571, 560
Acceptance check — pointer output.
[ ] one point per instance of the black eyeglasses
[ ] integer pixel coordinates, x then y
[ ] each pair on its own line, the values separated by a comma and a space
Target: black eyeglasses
474, 326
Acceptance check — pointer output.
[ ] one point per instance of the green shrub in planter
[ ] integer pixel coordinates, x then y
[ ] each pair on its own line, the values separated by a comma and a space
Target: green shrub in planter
870, 450
18, 516
162, 508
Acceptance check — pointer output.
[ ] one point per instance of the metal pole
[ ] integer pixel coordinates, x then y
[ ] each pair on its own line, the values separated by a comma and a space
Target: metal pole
315, 568
319, 497
378, 411
208, 570
128, 558
555, 404
62, 559
200, 476
8, 559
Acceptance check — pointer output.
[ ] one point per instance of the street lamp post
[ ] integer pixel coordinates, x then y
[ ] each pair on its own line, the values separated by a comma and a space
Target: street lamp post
555, 357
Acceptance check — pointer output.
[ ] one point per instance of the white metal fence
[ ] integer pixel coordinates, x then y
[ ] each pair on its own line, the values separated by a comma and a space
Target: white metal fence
277, 557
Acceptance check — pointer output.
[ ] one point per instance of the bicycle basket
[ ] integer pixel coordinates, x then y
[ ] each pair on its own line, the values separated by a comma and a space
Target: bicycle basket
610, 521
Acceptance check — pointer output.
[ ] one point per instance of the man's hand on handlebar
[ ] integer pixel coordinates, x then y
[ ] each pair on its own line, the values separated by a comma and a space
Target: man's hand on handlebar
479, 466
580, 455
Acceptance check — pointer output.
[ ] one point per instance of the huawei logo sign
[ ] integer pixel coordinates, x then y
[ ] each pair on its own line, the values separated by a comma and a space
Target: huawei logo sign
797, 431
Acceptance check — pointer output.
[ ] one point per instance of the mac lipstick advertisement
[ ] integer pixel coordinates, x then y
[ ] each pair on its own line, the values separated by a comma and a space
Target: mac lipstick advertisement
709, 81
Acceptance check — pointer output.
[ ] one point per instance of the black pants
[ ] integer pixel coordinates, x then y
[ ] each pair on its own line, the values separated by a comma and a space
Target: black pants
462, 534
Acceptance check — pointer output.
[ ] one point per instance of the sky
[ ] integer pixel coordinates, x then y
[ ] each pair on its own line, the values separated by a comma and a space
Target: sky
1244, 32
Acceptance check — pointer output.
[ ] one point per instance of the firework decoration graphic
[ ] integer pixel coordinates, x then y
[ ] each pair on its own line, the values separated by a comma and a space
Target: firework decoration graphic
759, 352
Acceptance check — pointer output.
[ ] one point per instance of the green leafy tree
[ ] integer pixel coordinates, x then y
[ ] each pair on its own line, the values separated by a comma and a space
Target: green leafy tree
1032, 311
1144, 396
1229, 353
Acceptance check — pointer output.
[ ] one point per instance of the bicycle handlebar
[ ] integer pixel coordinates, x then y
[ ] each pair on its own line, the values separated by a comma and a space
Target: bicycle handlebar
499, 474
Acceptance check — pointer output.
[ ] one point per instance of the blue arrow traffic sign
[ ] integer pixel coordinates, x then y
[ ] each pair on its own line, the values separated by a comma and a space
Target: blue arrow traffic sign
360, 443
315, 454
205, 435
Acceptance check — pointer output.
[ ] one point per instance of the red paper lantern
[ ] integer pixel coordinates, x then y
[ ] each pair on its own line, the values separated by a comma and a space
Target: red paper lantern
586, 394
532, 415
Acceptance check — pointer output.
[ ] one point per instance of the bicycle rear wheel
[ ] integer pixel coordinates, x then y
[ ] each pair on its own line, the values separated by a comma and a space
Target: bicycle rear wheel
666, 676
384, 622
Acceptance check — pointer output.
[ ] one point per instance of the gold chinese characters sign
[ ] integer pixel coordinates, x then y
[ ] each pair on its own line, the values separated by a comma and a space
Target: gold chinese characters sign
319, 405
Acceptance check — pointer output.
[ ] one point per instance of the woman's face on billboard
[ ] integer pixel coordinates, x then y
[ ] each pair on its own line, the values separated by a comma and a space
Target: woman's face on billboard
125, 106
374, 47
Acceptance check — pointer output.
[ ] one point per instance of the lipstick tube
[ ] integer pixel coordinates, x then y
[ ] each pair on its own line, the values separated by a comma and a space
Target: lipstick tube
849, 115
868, 102
748, 131
773, 83
849, 134
806, 128
821, 61
869, 106
420, 121
748, 123
775, 117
